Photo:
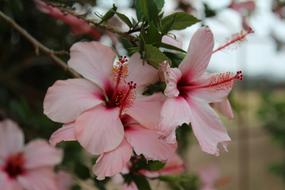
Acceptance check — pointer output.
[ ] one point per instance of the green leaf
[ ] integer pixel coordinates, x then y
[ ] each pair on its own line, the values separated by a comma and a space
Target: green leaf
177, 21
141, 182
159, 4
81, 171
171, 47
176, 58
183, 138
125, 19
209, 12
109, 14
146, 9
181, 182
153, 88
154, 56
154, 165
152, 35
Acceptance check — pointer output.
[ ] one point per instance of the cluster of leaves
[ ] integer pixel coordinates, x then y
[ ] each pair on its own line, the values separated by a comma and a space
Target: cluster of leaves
149, 27
272, 114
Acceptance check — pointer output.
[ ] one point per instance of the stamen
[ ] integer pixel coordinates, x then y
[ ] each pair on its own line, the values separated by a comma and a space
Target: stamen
120, 71
224, 80
128, 99
236, 38
221, 81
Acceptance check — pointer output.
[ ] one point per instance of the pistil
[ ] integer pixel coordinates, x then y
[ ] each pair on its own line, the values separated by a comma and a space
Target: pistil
128, 98
220, 81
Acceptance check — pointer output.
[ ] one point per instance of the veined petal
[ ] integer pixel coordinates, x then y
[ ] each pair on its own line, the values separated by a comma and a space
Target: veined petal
11, 138
198, 55
39, 179
141, 73
65, 133
153, 147
39, 153
207, 127
92, 60
214, 87
99, 129
174, 112
224, 107
140, 110
113, 162
67, 99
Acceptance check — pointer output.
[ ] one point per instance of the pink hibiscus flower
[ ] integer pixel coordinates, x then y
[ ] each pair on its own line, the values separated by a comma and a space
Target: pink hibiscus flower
104, 113
190, 90
138, 138
78, 26
29, 167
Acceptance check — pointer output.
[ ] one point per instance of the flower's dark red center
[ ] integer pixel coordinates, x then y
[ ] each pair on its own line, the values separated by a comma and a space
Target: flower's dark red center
120, 94
14, 165
218, 82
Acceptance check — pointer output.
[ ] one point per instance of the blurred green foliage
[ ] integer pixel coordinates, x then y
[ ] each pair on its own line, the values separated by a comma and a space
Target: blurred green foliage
272, 114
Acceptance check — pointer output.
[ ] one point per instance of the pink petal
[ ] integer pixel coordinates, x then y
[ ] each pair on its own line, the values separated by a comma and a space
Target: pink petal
217, 87
113, 162
224, 107
141, 73
67, 99
11, 138
65, 133
174, 75
198, 55
140, 110
99, 130
39, 153
174, 112
39, 179
92, 60
64, 180
174, 166
171, 41
153, 147
8, 184
209, 175
207, 127
241, 6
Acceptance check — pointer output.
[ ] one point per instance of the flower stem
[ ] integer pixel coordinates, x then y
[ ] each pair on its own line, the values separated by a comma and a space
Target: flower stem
37, 44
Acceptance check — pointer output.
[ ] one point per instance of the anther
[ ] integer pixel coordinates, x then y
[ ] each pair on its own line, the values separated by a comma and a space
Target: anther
239, 75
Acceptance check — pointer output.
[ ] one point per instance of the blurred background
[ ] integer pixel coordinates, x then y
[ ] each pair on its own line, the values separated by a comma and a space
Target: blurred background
256, 157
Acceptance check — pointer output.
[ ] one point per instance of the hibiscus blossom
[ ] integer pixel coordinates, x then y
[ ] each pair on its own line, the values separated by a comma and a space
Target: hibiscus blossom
29, 167
190, 90
141, 140
106, 114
